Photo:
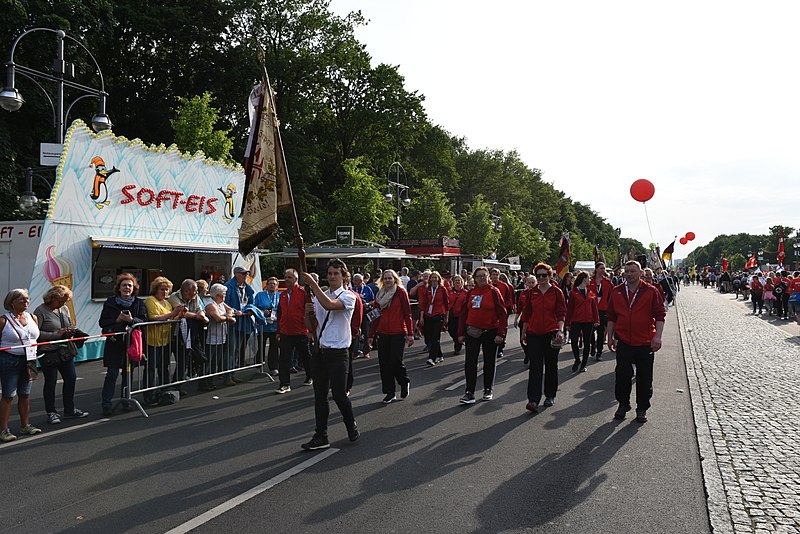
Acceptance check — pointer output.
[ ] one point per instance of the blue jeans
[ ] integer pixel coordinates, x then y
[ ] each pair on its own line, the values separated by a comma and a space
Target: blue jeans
14, 375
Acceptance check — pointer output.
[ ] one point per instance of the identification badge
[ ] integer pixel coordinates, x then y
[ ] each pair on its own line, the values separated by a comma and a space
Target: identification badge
30, 354
430, 309
476, 301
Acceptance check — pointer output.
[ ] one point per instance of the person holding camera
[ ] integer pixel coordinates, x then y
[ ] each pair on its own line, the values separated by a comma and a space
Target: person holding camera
543, 333
55, 323
267, 301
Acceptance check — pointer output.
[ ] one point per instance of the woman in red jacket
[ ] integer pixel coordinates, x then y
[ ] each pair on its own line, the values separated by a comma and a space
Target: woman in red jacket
582, 317
544, 316
456, 294
530, 283
394, 329
433, 306
482, 325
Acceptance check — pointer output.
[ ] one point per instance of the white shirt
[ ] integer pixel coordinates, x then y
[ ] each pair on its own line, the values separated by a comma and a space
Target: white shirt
405, 280
337, 334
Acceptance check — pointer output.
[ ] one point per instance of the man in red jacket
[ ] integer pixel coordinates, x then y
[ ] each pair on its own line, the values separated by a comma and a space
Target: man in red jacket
635, 323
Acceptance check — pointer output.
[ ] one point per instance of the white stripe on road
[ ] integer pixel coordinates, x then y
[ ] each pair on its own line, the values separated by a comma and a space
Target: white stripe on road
464, 382
249, 494
48, 434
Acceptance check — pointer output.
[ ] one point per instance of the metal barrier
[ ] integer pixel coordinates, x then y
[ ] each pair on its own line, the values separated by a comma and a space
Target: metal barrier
180, 351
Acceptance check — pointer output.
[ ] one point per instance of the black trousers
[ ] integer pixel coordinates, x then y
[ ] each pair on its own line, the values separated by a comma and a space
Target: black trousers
758, 303
643, 357
600, 334
290, 344
329, 368
578, 330
433, 334
452, 329
390, 359
272, 352
544, 360
490, 350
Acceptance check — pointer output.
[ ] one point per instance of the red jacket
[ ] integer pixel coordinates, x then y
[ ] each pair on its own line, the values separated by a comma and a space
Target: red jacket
635, 325
440, 302
490, 313
358, 315
507, 292
603, 293
543, 311
395, 318
292, 312
522, 301
582, 309
456, 299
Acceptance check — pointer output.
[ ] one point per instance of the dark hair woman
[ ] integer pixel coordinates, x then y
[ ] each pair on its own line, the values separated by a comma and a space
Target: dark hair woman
433, 305
119, 312
582, 317
543, 317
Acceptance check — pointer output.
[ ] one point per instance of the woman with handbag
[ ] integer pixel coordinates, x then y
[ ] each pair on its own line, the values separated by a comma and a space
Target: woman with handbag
119, 312
17, 328
392, 325
55, 323
433, 306
482, 325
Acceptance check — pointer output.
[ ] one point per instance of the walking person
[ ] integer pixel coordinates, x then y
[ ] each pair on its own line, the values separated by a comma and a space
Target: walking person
55, 323
482, 326
582, 317
366, 295
542, 331
393, 329
601, 286
757, 292
456, 297
433, 305
500, 281
330, 314
522, 302
292, 332
635, 323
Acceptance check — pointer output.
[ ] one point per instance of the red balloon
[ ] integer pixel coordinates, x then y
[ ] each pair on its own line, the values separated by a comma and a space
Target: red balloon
642, 190
683, 240
689, 236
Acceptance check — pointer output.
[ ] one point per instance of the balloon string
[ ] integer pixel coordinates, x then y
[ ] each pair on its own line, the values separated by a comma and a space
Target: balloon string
648, 222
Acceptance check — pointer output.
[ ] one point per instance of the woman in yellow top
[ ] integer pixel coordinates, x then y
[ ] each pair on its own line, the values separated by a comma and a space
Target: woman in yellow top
158, 347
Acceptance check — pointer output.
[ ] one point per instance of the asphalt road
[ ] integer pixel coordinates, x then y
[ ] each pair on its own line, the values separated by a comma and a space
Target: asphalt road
422, 464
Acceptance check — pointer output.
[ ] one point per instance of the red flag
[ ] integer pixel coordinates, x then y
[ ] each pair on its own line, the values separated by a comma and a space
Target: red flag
724, 264
562, 267
781, 251
751, 263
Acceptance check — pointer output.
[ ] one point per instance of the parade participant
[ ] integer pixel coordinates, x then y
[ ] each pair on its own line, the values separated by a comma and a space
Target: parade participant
635, 324
757, 292
267, 302
647, 276
404, 277
18, 327
482, 326
769, 297
542, 331
360, 345
55, 323
239, 295
393, 329
601, 286
119, 312
359, 315
292, 332
330, 315
500, 281
582, 317
433, 305
456, 298
522, 301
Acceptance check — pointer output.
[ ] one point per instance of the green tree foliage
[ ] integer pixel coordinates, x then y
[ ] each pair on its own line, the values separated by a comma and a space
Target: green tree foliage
517, 238
359, 203
429, 215
195, 128
477, 235
736, 261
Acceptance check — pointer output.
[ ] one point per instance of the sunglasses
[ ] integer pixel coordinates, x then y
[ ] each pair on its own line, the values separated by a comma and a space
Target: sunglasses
542, 275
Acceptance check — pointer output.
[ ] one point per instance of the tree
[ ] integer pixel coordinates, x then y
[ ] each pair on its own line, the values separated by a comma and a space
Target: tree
360, 203
517, 238
476, 234
194, 128
736, 262
429, 215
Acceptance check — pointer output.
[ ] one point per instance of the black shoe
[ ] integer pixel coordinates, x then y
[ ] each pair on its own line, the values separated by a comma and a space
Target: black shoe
599, 356
468, 398
532, 407
500, 354
389, 398
641, 416
525, 361
575, 365
583, 369
317, 442
108, 410
621, 411
549, 401
404, 389
352, 433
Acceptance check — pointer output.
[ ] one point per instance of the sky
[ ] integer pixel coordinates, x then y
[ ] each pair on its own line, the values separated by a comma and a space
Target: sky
702, 98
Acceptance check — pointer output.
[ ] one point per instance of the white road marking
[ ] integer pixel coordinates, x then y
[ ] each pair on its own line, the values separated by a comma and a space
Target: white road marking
50, 433
249, 494
461, 383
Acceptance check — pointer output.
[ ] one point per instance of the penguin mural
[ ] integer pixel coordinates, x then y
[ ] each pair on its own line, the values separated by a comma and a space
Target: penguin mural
228, 193
100, 177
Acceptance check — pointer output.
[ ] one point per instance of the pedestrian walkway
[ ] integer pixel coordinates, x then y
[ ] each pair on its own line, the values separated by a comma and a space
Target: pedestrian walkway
745, 384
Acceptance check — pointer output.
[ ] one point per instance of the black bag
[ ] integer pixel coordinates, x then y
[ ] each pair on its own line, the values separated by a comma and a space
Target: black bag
53, 357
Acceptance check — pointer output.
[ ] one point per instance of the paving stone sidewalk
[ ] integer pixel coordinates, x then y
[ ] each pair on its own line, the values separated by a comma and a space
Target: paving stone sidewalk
744, 377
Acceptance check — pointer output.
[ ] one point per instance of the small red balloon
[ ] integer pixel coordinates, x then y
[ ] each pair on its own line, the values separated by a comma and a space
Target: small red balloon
689, 236
642, 190
683, 240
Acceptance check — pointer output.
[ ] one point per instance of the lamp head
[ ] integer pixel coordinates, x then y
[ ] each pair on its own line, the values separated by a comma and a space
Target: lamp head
388, 196
10, 99
28, 200
101, 122
406, 202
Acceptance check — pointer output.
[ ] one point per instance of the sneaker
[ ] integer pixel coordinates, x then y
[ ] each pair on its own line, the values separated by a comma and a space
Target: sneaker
274, 372
229, 382
468, 398
599, 356
283, 389
641, 416
440, 359
30, 430
53, 418
549, 401
457, 351
308, 381
389, 398
404, 390
352, 433
6, 436
293, 370
532, 407
487, 395
430, 362
108, 410
621, 411
77, 414
583, 369
317, 442
500, 354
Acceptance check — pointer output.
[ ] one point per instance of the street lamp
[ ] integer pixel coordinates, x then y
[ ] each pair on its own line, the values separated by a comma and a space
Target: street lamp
28, 199
397, 191
796, 246
495, 217
11, 99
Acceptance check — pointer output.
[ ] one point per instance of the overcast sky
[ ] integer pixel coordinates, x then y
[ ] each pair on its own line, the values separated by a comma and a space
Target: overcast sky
701, 98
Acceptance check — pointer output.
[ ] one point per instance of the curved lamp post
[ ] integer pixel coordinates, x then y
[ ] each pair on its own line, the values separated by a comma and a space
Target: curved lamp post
397, 191
28, 199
